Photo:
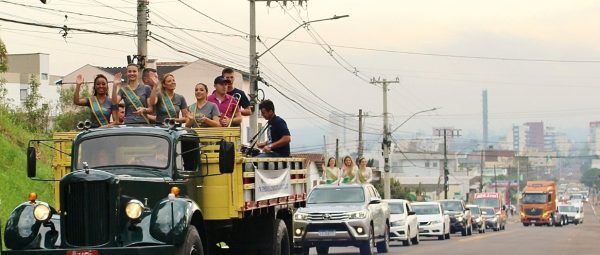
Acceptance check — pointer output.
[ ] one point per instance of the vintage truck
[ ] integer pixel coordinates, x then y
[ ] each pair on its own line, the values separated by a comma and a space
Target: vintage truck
158, 190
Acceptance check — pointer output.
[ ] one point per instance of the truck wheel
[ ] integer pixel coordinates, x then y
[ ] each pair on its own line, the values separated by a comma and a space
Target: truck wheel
463, 232
279, 241
323, 250
384, 246
367, 248
551, 221
525, 224
192, 244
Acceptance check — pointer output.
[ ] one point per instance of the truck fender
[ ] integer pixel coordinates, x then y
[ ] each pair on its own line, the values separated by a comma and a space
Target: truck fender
170, 219
23, 231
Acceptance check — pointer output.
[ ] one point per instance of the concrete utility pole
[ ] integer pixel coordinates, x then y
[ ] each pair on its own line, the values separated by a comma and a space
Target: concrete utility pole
253, 69
337, 150
387, 137
495, 180
142, 32
324, 147
481, 166
447, 132
360, 133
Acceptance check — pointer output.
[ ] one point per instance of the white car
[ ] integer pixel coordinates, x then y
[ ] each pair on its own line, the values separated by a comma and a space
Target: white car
403, 221
574, 212
432, 220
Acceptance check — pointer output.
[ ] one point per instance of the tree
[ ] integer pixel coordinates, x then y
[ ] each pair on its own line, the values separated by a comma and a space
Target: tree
591, 177
395, 189
3, 69
70, 115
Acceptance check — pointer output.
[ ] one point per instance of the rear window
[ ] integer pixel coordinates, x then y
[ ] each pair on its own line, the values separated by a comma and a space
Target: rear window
337, 195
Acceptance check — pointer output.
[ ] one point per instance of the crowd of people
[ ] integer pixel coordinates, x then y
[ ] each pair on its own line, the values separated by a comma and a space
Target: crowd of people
349, 172
154, 100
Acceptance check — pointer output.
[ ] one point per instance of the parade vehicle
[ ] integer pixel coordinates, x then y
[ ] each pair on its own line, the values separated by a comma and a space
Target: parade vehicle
343, 215
538, 203
404, 224
460, 216
158, 190
478, 220
432, 220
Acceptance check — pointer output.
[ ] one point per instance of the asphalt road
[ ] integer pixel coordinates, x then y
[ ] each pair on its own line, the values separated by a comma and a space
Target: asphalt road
516, 239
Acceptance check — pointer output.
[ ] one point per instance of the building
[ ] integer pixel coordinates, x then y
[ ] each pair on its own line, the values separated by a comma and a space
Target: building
594, 142
534, 136
23, 67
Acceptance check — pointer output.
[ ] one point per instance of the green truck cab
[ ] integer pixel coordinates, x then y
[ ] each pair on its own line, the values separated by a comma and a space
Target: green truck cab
155, 190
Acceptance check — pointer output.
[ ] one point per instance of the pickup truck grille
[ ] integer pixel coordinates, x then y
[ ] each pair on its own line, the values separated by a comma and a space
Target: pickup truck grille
423, 223
534, 211
328, 216
86, 213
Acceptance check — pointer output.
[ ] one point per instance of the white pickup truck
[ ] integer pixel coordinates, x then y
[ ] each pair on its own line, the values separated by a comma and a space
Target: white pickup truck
574, 212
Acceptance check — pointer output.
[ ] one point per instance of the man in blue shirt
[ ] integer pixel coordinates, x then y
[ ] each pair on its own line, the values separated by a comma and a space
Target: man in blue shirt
279, 138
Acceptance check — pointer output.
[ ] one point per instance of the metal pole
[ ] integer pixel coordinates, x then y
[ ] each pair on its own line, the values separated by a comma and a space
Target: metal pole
253, 68
387, 194
481, 166
360, 133
337, 150
325, 149
495, 180
142, 31
518, 179
445, 166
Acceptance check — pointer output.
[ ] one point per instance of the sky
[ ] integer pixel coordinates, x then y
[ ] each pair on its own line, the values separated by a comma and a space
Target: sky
537, 59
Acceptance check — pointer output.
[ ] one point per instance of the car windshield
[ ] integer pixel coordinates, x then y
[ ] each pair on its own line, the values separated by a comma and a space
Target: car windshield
534, 198
396, 208
337, 195
567, 208
576, 197
426, 209
119, 150
487, 211
475, 210
487, 202
454, 206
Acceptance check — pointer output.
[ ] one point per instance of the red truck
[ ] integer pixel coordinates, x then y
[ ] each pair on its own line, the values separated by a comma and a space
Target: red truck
538, 203
494, 200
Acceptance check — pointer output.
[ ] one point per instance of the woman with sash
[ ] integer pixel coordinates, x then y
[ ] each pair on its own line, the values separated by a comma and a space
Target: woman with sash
135, 96
348, 171
99, 103
167, 103
364, 174
332, 172
202, 113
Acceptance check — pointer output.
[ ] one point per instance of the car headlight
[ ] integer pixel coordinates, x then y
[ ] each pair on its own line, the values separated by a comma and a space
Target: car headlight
358, 215
398, 223
577, 216
300, 216
478, 220
41, 212
134, 209
459, 218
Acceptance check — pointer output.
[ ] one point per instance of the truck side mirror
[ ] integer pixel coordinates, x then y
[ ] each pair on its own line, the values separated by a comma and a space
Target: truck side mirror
226, 157
31, 162
412, 213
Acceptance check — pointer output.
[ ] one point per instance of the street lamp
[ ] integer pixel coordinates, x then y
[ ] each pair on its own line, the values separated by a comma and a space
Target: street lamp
413, 115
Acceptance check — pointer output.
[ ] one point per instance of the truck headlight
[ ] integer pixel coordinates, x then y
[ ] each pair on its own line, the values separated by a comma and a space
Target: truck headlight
358, 215
546, 214
300, 216
134, 209
41, 212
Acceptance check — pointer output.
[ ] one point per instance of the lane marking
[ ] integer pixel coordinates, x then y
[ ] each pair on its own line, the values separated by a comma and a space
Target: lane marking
486, 235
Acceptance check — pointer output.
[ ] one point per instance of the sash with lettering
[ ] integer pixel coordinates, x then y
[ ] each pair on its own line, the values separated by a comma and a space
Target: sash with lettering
97, 111
168, 104
197, 114
134, 99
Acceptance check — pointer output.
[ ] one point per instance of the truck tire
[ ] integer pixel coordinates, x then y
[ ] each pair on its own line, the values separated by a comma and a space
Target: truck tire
463, 231
323, 250
367, 248
384, 246
525, 224
277, 241
192, 244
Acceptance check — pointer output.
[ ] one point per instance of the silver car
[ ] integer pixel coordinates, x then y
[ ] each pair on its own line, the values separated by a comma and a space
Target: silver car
343, 215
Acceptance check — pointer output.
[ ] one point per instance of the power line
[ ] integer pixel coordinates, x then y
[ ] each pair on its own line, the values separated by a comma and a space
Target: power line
213, 19
65, 28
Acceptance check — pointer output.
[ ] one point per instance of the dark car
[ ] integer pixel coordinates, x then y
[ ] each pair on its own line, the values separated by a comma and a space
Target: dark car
460, 216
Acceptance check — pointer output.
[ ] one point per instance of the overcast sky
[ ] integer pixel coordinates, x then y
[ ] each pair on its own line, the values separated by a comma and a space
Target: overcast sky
538, 59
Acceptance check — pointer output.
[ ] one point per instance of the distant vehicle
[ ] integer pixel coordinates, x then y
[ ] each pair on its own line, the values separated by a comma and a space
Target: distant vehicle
460, 216
538, 203
574, 213
478, 220
494, 200
492, 220
345, 215
576, 198
403, 222
432, 220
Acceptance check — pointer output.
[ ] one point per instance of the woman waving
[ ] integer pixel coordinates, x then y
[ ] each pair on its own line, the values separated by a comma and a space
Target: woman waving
99, 103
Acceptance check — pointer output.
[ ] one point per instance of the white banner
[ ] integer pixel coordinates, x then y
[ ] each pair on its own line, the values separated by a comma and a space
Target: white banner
270, 184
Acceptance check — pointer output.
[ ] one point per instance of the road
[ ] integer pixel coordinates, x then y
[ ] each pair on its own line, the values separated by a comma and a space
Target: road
516, 239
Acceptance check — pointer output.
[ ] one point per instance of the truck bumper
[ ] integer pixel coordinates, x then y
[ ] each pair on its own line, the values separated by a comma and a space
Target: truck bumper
145, 250
535, 220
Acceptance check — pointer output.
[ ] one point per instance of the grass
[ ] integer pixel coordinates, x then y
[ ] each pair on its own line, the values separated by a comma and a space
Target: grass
14, 184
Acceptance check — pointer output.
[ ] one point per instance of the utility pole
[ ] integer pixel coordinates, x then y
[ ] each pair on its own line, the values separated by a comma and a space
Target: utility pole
253, 69
481, 166
495, 180
387, 137
446, 132
337, 150
360, 133
142, 32
324, 147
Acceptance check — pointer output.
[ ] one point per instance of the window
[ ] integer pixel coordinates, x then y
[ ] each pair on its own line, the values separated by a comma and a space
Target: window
435, 164
23, 94
188, 154
44, 76
426, 163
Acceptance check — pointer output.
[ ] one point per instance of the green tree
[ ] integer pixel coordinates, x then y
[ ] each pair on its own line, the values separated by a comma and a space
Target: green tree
3, 69
591, 177
396, 190
70, 114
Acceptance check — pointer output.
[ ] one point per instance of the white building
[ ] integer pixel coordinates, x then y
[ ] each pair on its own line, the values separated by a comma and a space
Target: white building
21, 67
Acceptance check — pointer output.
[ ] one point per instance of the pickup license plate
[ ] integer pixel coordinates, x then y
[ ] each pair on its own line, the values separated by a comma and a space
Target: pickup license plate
327, 232
533, 221
83, 252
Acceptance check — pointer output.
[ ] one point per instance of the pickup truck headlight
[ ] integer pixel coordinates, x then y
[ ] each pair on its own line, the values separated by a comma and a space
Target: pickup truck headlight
358, 215
300, 216
134, 209
398, 223
41, 212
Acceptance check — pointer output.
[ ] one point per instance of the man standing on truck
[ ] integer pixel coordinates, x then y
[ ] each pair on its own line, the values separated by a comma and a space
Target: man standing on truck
279, 138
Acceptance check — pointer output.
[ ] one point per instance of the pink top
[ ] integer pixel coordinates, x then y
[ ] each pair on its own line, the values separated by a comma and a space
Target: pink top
225, 104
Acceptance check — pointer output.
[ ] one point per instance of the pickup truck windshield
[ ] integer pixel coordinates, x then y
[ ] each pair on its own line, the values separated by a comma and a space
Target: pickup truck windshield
487, 202
119, 150
426, 209
396, 208
454, 206
535, 198
568, 208
337, 195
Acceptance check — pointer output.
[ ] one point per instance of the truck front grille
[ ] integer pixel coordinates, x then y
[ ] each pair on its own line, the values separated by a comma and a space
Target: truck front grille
534, 211
86, 213
328, 216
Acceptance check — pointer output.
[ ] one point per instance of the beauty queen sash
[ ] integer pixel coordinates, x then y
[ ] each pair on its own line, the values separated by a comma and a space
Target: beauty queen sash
168, 104
97, 111
134, 99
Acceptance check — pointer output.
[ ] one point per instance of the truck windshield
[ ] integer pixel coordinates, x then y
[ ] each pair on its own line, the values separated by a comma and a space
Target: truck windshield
454, 206
396, 208
337, 195
487, 202
488, 211
475, 211
119, 150
535, 198
426, 209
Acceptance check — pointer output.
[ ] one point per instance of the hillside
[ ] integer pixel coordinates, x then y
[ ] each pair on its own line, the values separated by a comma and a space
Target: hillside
14, 184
